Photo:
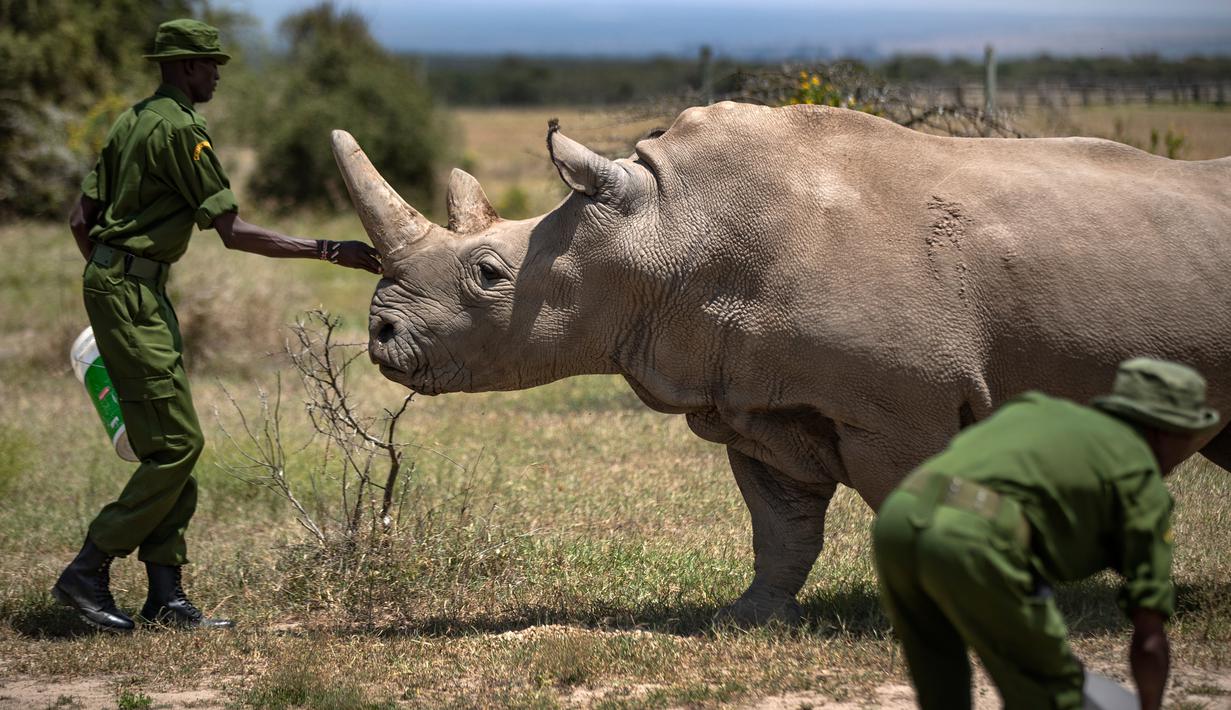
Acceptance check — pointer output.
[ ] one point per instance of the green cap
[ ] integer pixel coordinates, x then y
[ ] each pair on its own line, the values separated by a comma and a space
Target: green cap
187, 39
1164, 395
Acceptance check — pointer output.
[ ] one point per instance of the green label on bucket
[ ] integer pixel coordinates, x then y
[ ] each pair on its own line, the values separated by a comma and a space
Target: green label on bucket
102, 393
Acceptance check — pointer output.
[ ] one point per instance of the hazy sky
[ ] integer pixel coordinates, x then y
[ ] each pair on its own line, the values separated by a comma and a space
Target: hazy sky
786, 27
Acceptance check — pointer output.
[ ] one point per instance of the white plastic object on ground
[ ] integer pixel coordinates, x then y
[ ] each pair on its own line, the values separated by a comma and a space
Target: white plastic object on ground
1103, 693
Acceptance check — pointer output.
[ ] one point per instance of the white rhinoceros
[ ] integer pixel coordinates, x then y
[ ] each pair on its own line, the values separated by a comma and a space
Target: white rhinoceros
825, 293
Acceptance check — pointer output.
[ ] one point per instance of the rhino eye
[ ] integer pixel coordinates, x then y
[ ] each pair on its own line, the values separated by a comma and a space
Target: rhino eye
491, 275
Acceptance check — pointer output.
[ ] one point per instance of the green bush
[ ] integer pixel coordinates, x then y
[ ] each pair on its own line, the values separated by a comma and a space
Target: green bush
133, 700
38, 172
514, 203
339, 77
66, 72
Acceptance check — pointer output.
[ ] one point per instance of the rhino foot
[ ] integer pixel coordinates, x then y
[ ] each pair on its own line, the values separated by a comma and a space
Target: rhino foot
760, 608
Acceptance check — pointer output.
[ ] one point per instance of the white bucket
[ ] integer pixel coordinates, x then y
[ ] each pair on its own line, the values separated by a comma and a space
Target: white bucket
1103, 693
90, 371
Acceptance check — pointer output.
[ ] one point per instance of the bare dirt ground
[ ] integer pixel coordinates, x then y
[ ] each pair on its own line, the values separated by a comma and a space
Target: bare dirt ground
99, 694
1184, 693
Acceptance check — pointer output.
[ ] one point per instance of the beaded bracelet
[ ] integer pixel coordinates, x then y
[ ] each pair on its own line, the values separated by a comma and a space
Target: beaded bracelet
327, 250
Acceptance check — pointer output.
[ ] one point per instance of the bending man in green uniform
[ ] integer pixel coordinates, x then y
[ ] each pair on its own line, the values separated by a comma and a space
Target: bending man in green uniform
157, 177
1043, 491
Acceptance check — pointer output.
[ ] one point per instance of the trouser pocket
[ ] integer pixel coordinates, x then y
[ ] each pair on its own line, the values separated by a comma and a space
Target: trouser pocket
145, 403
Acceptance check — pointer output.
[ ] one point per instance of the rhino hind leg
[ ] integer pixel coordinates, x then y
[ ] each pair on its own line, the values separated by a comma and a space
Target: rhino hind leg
788, 529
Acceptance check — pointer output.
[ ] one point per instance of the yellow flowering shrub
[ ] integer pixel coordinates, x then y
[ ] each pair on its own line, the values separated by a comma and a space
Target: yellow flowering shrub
814, 88
87, 133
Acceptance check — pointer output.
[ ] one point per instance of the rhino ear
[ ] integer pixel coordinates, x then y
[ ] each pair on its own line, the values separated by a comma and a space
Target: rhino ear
469, 209
580, 168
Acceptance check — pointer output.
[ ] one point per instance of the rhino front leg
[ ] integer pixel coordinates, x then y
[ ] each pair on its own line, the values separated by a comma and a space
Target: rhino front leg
788, 529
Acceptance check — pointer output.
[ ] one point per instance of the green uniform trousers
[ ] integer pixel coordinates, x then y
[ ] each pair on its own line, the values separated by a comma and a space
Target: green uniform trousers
954, 575
138, 337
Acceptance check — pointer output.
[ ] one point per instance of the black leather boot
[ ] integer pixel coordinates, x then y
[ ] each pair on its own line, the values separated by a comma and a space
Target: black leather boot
167, 603
85, 585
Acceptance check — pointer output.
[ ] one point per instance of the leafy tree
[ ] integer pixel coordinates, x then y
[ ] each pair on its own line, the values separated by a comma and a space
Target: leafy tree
339, 77
66, 71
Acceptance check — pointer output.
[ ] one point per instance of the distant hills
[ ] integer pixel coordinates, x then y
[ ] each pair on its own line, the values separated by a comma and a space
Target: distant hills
791, 29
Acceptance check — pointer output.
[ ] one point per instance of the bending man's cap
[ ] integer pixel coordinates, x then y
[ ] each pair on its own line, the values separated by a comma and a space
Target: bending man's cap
187, 39
1161, 394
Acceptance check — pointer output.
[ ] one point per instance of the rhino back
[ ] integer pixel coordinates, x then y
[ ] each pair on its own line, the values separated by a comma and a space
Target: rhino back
829, 256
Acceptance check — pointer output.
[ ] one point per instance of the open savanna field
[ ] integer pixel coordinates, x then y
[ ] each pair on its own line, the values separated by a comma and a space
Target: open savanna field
557, 547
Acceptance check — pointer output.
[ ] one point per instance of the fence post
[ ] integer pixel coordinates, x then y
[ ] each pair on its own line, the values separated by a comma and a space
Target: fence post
707, 75
989, 79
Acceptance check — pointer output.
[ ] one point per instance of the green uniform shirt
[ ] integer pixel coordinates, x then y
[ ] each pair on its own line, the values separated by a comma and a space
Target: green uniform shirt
157, 176
1089, 486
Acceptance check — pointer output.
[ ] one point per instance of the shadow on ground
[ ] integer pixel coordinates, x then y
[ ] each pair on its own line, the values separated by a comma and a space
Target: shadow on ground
1090, 609
853, 612
45, 619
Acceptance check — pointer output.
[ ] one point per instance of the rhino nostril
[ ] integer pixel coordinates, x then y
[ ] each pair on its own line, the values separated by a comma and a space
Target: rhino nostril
385, 334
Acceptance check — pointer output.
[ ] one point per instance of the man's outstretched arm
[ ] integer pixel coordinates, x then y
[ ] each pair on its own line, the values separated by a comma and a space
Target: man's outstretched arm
244, 236
82, 220
1150, 656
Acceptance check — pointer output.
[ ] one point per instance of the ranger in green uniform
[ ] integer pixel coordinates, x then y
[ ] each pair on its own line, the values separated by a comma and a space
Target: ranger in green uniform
157, 177
1043, 491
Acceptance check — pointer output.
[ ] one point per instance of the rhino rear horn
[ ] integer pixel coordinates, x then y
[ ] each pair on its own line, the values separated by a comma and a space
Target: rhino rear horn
580, 168
392, 224
469, 209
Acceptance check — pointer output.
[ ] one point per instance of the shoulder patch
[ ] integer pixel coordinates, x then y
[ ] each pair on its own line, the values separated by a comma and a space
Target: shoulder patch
196, 150
1169, 536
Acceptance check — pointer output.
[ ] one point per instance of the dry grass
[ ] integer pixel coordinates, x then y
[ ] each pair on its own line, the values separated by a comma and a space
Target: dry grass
1206, 130
506, 149
561, 546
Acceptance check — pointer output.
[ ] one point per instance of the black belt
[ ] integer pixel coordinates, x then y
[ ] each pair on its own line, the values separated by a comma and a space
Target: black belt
134, 265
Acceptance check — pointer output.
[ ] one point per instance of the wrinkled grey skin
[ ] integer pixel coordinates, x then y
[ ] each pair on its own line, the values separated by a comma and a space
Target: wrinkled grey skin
828, 295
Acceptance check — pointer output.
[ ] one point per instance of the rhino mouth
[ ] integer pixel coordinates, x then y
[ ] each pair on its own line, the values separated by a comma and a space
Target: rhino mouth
396, 374
421, 380
414, 381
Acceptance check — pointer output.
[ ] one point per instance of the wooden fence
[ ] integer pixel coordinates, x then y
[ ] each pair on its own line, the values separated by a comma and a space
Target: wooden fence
1066, 95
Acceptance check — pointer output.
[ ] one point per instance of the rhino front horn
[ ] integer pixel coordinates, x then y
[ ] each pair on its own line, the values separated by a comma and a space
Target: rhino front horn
392, 224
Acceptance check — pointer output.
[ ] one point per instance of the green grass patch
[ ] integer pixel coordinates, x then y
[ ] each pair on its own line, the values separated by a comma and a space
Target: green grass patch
133, 700
306, 690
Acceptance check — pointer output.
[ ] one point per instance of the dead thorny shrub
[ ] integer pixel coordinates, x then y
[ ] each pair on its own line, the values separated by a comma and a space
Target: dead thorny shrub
373, 543
361, 454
